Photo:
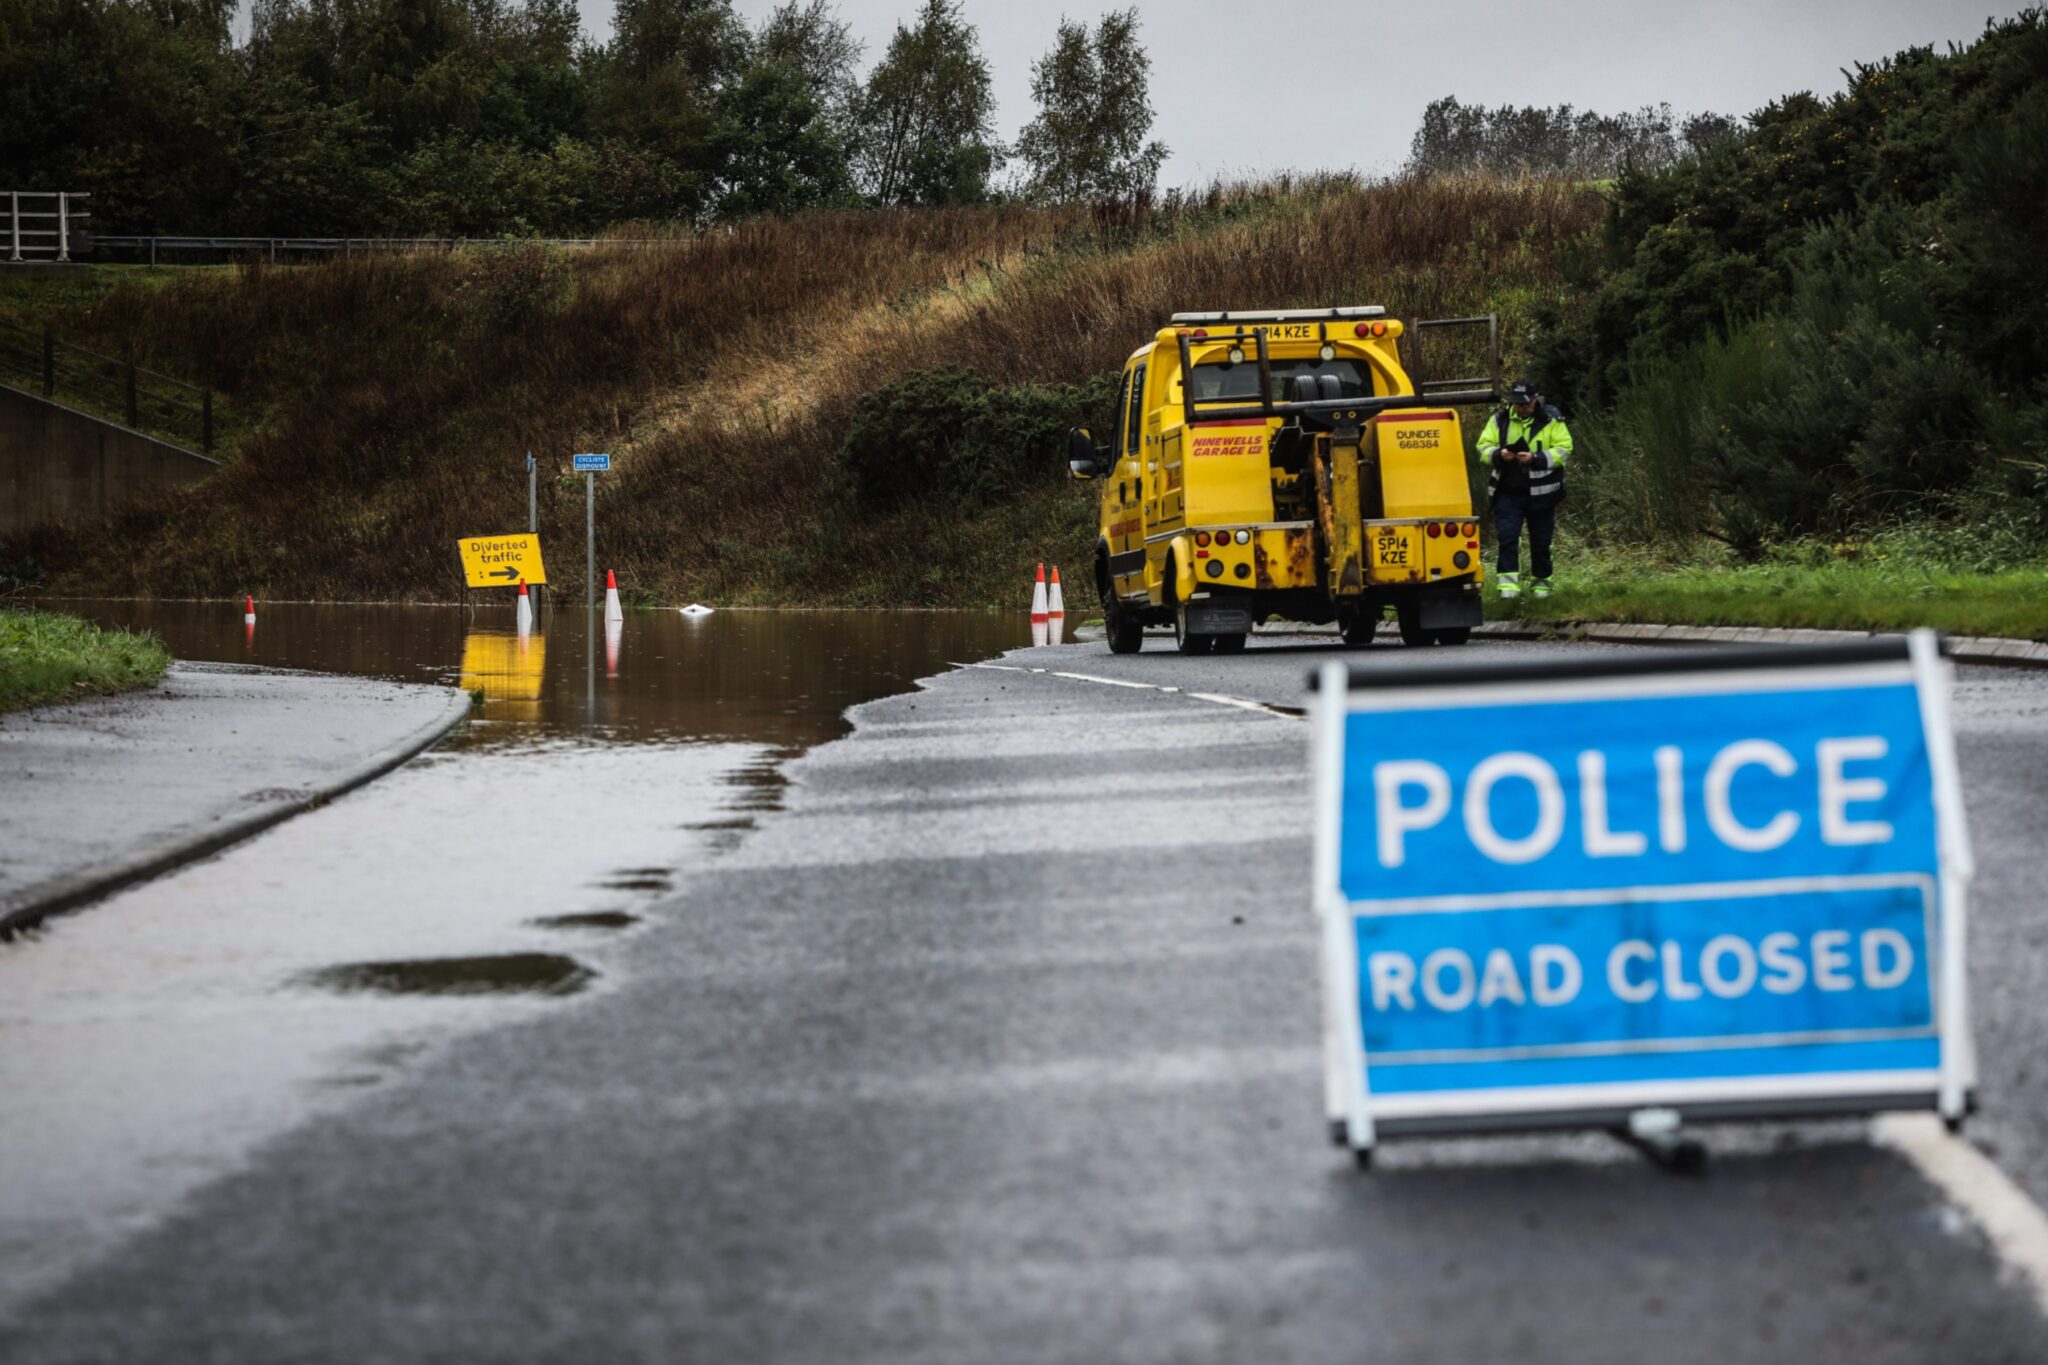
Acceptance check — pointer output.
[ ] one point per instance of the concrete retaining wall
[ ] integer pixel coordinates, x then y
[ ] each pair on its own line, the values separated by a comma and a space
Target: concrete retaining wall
59, 464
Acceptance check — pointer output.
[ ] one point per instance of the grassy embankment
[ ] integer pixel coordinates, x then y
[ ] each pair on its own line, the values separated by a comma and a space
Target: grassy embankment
386, 403
1891, 582
48, 657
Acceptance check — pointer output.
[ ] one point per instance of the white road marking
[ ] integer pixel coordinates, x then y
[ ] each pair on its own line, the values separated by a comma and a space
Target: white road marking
2017, 1228
1216, 698
1109, 682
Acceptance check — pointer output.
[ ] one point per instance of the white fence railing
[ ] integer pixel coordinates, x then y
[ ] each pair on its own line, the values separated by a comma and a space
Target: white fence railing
42, 225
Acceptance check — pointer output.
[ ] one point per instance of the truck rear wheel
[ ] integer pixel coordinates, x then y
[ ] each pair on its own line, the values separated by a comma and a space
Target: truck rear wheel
1125, 631
1453, 635
1229, 644
1186, 641
1358, 627
1408, 615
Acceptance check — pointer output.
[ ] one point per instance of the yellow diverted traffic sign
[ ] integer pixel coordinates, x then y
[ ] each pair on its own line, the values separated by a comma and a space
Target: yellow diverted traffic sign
501, 561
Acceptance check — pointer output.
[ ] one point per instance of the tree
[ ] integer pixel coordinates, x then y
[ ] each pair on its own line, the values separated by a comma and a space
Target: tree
926, 118
1088, 141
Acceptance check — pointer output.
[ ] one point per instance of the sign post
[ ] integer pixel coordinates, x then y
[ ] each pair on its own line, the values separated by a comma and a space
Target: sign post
1633, 890
590, 466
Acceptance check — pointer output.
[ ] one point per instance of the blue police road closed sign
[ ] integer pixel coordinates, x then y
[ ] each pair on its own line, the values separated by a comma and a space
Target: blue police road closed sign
592, 464
1723, 884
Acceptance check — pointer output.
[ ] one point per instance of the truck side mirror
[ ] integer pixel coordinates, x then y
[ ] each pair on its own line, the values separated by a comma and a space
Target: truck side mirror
1081, 453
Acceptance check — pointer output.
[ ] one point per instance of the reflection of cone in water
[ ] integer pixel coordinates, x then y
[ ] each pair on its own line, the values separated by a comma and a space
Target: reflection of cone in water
1038, 596
525, 609
248, 611
614, 631
612, 610
1041, 633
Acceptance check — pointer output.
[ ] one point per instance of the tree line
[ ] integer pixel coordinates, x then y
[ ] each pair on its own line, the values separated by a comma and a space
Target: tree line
498, 117
1471, 139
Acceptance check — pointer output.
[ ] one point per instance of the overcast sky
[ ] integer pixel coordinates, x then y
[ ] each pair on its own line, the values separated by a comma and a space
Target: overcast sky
1247, 87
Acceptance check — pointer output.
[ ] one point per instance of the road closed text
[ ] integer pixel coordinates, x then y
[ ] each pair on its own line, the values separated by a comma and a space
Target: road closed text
1637, 971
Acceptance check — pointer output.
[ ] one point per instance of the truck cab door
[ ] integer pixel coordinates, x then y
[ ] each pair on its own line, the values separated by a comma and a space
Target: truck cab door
1128, 525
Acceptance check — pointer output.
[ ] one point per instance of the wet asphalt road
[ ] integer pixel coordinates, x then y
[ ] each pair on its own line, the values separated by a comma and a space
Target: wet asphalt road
999, 1043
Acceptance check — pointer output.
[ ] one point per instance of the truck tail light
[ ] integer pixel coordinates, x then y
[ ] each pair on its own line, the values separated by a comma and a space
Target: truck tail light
1469, 529
1435, 530
1201, 537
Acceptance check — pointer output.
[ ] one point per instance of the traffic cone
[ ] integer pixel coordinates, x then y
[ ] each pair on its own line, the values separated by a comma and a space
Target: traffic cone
612, 610
248, 611
1058, 610
525, 609
1038, 614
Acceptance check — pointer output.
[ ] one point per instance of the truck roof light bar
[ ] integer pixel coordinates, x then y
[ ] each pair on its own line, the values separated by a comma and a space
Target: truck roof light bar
1283, 315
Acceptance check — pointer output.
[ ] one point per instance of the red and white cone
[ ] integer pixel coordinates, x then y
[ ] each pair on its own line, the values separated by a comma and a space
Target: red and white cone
612, 610
525, 609
248, 611
1038, 614
1058, 609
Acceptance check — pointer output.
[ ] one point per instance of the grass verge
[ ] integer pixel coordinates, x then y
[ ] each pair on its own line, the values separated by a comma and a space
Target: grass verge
1878, 585
47, 657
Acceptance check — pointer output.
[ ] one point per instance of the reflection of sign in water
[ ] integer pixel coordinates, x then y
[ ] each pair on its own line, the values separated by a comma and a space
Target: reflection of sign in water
506, 667
1708, 883
501, 561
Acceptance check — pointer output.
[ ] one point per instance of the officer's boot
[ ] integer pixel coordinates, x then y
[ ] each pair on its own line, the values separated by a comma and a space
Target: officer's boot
1511, 584
1540, 588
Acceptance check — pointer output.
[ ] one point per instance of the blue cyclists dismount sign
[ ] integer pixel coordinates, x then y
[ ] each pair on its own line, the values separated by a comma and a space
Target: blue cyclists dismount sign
1566, 892
591, 464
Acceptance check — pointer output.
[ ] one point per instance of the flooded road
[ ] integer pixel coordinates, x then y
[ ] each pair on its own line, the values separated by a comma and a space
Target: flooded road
160, 1036
781, 678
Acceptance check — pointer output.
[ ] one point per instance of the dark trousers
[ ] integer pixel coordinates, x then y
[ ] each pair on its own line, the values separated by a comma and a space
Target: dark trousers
1510, 510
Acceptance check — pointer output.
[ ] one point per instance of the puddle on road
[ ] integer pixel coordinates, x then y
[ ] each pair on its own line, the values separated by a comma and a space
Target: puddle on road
500, 974
593, 919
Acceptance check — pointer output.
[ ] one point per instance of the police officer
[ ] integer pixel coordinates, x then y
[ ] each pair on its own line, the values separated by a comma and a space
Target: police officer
1525, 446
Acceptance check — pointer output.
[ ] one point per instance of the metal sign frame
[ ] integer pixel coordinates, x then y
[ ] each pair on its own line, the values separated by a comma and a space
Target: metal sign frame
1360, 1119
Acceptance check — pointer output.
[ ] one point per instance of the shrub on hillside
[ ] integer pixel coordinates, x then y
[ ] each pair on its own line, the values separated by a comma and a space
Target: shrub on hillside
948, 436
1826, 322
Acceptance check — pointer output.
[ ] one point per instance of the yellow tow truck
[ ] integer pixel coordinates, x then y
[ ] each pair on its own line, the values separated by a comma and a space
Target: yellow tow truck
1285, 465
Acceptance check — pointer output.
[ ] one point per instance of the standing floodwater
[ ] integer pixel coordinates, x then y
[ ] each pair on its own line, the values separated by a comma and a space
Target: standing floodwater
772, 677
167, 1030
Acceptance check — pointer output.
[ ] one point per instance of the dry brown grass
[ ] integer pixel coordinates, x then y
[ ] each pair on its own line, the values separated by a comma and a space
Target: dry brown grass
400, 393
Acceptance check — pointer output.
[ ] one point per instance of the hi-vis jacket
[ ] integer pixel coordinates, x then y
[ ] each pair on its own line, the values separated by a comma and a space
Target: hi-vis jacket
1541, 480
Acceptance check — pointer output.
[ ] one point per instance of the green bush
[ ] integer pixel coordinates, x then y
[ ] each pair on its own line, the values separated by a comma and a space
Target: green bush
1824, 325
948, 436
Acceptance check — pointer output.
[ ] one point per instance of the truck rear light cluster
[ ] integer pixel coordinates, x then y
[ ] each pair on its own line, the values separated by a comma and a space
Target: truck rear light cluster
1370, 329
1450, 530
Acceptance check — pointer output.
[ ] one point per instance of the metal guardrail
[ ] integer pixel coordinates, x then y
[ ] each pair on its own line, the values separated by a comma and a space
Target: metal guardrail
347, 246
147, 401
43, 225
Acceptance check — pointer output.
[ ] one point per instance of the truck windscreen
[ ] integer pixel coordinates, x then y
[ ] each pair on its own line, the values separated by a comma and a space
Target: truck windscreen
1224, 382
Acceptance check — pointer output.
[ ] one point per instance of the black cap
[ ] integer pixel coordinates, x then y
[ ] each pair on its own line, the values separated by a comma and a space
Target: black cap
1521, 391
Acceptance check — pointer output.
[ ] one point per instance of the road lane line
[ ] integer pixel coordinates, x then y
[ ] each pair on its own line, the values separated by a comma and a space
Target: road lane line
1215, 698
2015, 1225
1109, 682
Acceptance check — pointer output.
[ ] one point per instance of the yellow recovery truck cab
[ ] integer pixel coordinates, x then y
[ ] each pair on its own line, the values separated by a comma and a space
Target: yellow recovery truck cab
1283, 464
